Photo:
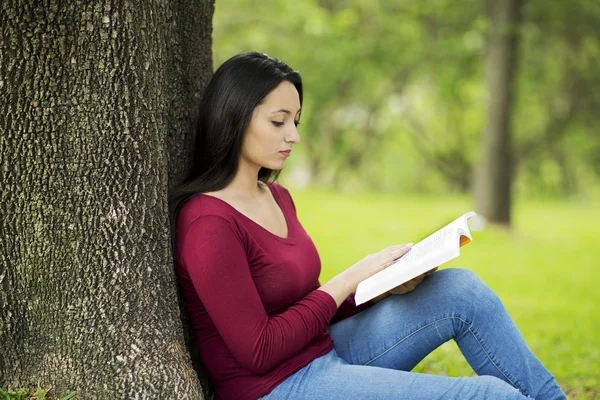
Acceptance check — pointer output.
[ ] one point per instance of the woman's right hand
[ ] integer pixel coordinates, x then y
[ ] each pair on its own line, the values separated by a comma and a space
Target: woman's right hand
372, 264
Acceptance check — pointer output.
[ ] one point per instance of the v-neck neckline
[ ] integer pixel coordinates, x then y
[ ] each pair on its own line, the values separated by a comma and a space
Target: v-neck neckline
288, 239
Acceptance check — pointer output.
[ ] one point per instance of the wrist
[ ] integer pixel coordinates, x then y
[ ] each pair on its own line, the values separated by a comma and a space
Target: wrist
349, 285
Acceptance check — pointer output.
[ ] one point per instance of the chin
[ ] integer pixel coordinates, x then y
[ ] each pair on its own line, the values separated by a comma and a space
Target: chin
274, 166
277, 167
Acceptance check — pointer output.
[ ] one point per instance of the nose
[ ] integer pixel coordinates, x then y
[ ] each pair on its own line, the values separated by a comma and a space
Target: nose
293, 136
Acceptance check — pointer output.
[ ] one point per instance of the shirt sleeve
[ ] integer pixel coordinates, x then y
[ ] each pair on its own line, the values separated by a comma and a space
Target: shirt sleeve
349, 308
216, 262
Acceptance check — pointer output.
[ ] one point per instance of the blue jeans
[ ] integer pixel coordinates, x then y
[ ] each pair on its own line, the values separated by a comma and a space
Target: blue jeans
376, 349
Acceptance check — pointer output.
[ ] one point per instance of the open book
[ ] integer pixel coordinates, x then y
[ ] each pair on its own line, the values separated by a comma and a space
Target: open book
434, 250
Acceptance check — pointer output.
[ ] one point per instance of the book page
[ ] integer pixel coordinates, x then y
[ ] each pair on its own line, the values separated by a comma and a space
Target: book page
438, 248
431, 246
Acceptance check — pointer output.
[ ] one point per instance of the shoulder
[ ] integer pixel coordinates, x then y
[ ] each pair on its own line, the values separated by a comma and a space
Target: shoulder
207, 209
207, 225
279, 189
209, 241
283, 193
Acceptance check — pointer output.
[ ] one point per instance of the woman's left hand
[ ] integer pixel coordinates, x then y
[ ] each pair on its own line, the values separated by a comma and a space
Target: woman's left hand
412, 284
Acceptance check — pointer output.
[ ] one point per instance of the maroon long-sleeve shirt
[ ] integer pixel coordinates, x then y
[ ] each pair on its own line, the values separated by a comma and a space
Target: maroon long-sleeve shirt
252, 296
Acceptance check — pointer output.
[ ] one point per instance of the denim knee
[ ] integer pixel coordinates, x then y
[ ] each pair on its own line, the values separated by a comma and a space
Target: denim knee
464, 289
496, 388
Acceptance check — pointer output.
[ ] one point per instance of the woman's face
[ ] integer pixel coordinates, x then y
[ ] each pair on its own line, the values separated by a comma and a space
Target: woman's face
272, 129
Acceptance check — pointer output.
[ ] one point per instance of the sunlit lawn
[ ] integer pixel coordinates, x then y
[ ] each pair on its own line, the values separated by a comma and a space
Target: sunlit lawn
546, 270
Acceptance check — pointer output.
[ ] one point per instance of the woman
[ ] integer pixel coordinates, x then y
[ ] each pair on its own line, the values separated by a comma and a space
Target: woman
265, 326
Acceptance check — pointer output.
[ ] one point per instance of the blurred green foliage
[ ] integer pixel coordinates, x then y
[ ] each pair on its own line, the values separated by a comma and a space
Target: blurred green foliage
395, 96
395, 101
545, 269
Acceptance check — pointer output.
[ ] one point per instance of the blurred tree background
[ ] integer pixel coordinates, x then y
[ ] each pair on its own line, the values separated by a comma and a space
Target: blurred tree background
396, 98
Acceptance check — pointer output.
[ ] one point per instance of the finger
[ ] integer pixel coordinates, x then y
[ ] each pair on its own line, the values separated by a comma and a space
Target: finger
413, 283
399, 247
404, 247
401, 289
426, 274
391, 254
400, 250
398, 290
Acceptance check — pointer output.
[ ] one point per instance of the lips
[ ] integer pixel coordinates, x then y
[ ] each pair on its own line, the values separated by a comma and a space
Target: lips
286, 152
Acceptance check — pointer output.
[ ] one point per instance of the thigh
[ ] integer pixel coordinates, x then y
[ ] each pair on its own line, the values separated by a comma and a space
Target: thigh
331, 377
401, 330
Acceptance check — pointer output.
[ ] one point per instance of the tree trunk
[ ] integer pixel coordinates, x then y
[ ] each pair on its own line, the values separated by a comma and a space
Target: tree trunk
494, 173
95, 99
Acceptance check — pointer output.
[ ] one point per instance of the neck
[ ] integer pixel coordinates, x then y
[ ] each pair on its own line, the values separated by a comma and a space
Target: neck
245, 182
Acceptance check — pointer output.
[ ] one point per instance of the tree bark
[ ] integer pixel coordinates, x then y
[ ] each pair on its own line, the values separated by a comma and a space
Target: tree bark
94, 130
494, 173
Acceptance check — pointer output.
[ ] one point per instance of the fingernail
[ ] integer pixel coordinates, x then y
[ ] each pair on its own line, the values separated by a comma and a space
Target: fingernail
407, 246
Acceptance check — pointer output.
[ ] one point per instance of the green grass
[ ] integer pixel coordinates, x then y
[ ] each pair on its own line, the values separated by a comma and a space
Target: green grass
545, 269
32, 394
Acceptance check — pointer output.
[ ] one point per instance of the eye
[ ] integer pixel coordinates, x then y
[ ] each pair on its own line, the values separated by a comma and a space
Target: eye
296, 123
277, 123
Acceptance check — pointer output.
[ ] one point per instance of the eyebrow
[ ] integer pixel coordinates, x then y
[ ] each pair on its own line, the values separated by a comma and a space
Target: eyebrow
285, 111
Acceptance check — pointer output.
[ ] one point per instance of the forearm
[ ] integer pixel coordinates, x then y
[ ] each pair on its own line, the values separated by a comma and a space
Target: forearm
338, 288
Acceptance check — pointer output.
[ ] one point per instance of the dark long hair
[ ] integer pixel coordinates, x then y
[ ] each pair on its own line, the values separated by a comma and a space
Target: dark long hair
226, 108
